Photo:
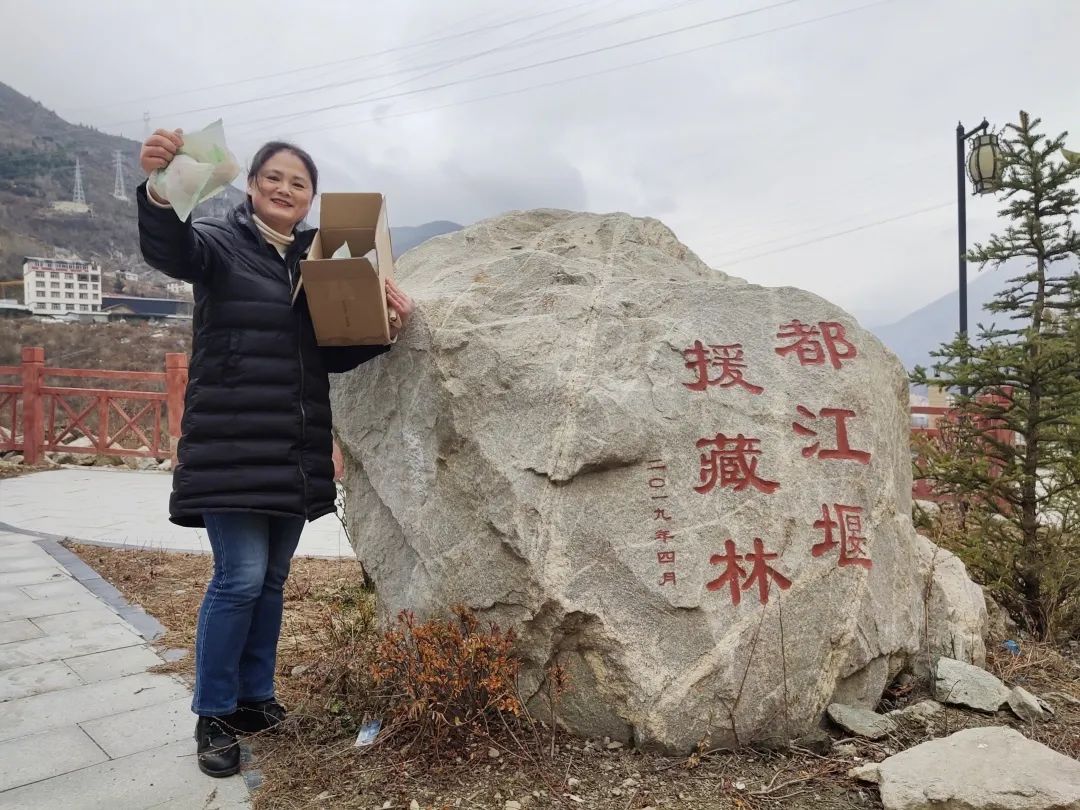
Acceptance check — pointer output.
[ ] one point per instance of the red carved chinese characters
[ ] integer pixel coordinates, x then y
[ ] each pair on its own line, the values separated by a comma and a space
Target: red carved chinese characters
733, 463
843, 450
657, 481
728, 358
761, 573
848, 523
813, 343
732, 572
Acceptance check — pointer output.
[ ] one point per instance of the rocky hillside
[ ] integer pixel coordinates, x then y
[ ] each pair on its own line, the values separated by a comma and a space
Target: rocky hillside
38, 149
37, 168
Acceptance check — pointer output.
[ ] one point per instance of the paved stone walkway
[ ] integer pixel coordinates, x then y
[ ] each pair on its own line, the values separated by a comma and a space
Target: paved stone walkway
82, 722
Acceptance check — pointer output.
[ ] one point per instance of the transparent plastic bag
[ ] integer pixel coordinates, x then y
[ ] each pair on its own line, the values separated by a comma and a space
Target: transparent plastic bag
203, 166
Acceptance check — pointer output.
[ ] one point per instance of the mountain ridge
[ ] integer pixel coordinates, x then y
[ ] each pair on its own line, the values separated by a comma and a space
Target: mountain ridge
38, 149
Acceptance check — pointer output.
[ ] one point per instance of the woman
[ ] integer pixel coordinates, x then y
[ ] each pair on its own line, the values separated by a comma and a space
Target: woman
255, 459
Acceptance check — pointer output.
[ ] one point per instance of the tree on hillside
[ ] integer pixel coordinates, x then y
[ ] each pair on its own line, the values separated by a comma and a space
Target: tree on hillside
1011, 453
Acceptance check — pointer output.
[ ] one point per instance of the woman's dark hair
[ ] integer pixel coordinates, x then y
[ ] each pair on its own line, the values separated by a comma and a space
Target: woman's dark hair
268, 150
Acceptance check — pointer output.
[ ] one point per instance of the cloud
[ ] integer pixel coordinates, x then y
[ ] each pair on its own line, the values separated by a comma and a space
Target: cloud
743, 148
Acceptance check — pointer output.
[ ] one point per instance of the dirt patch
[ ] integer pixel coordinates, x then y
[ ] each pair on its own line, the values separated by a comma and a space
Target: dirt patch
328, 638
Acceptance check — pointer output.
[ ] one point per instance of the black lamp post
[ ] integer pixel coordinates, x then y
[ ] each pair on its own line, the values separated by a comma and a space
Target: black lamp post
984, 167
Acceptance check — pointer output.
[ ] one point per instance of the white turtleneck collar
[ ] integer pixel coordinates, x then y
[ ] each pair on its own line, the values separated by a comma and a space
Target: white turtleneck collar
280, 241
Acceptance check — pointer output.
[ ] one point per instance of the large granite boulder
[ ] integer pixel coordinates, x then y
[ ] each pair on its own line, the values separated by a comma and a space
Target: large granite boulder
693, 492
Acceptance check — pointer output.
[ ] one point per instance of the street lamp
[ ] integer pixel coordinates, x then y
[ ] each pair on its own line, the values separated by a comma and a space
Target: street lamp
984, 166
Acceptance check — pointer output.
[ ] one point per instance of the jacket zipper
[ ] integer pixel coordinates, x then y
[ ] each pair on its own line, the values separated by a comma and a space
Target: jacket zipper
303, 413
303, 419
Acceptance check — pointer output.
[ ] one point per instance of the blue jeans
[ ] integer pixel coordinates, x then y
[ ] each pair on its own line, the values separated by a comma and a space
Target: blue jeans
240, 618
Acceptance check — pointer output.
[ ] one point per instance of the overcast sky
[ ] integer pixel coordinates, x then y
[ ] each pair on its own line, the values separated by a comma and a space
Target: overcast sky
759, 139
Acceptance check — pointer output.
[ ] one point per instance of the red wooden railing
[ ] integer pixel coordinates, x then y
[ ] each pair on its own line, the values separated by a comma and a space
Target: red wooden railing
932, 414
922, 489
38, 418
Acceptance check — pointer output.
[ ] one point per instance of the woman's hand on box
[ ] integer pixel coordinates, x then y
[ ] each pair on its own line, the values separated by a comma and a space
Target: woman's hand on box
399, 303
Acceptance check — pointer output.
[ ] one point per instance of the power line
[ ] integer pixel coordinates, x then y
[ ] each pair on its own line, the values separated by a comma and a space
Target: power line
336, 62
568, 79
830, 202
521, 68
835, 235
468, 57
430, 67
531, 40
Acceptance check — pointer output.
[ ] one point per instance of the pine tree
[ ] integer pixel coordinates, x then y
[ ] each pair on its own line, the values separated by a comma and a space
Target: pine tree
1011, 454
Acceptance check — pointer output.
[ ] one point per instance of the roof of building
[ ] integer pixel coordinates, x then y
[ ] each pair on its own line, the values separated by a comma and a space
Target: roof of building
146, 306
69, 259
36, 264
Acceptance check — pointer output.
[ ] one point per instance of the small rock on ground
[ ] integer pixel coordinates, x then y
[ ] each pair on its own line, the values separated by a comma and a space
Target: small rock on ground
995, 768
862, 722
869, 772
1027, 707
923, 710
965, 685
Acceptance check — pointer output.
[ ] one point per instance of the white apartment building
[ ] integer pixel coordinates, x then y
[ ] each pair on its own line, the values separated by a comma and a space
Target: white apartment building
60, 286
180, 289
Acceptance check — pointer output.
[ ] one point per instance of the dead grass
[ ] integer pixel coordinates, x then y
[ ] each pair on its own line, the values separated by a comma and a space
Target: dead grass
11, 470
121, 345
328, 640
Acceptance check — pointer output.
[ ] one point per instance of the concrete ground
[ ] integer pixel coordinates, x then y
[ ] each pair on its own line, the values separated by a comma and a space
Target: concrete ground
83, 724
125, 508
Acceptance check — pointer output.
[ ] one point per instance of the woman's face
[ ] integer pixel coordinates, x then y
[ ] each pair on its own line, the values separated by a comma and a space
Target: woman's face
281, 191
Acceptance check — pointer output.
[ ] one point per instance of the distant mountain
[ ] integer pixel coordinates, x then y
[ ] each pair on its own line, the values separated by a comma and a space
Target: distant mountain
406, 237
37, 168
914, 336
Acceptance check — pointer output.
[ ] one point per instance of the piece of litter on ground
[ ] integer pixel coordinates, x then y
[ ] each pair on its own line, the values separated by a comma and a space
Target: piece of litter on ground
368, 732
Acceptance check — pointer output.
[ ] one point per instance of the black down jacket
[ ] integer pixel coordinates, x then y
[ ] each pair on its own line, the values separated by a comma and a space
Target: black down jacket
256, 427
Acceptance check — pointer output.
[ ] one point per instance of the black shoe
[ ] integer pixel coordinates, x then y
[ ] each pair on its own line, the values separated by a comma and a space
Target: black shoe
219, 752
251, 718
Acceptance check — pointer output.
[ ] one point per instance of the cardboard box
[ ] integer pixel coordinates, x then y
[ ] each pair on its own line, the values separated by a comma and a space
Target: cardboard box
347, 297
